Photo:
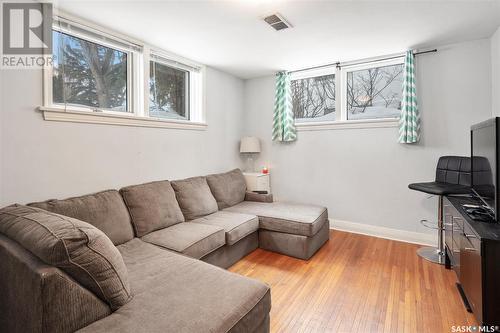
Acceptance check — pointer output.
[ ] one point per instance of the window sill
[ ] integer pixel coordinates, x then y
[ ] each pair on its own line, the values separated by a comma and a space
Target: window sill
347, 124
56, 114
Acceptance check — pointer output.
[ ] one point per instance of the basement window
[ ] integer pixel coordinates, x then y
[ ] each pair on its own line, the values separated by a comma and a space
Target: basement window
373, 91
89, 75
314, 96
168, 92
106, 78
174, 89
351, 96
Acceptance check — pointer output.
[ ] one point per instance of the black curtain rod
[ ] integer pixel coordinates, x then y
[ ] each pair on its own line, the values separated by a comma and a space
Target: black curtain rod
339, 64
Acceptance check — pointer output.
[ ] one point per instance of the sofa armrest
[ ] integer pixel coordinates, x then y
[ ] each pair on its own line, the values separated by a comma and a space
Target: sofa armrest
252, 196
36, 297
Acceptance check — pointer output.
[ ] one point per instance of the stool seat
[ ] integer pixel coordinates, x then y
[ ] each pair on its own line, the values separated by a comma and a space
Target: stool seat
453, 176
439, 188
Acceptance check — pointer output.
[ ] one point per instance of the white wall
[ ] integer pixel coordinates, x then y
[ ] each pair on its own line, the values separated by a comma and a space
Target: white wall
41, 159
495, 73
362, 175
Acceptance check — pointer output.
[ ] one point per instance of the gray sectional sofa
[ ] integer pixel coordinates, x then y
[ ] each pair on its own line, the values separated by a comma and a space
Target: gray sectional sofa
135, 260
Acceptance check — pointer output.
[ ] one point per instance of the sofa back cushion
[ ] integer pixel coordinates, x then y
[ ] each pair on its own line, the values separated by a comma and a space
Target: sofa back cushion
194, 197
104, 210
228, 188
76, 247
152, 206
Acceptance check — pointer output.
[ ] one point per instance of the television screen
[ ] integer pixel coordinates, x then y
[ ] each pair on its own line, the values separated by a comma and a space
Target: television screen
483, 153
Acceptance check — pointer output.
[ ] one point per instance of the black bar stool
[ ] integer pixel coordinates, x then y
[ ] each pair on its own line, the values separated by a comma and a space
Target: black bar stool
453, 176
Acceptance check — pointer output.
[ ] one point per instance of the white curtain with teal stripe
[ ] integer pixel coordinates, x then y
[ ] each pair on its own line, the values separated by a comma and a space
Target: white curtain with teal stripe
409, 123
283, 122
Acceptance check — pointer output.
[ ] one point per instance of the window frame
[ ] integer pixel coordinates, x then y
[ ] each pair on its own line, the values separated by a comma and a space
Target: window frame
358, 67
341, 121
133, 74
195, 85
315, 72
137, 83
187, 87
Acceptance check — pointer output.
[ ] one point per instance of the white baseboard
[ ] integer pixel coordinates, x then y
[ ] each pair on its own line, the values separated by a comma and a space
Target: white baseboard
383, 232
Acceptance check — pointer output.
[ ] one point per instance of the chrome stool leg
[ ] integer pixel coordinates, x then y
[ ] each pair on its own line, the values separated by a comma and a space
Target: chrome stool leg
436, 254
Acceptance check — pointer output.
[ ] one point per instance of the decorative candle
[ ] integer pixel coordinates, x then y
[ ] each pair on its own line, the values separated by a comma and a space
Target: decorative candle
265, 170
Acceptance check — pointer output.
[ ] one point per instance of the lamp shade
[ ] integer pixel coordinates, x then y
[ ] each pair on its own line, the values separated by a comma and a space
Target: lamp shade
249, 144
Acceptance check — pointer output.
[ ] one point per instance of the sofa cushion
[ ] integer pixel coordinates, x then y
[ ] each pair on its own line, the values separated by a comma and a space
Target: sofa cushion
228, 188
191, 239
173, 293
194, 197
235, 225
291, 218
104, 210
152, 206
76, 247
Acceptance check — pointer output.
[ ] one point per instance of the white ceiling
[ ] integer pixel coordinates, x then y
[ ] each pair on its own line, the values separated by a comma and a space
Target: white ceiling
231, 35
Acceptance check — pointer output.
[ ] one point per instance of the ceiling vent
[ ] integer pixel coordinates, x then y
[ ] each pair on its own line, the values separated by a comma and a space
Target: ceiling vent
277, 22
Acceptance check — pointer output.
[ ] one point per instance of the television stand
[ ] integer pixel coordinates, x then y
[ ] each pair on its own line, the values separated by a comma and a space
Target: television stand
473, 251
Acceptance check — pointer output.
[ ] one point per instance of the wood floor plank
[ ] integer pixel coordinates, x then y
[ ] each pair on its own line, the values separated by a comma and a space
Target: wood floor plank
358, 283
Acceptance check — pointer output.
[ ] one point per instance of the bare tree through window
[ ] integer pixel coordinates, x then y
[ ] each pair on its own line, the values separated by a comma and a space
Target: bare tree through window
168, 92
88, 74
313, 98
374, 92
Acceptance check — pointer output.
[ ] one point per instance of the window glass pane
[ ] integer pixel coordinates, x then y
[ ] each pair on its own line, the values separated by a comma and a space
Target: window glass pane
313, 98
168, 92
374, 93
88, 74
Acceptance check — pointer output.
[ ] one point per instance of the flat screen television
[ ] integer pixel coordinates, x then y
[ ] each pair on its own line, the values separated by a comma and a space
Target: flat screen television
484, 163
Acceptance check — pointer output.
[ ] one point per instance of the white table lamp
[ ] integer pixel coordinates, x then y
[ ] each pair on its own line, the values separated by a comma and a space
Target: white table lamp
249, 146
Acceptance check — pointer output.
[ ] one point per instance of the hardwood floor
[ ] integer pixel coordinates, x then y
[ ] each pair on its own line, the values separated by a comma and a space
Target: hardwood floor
357, 283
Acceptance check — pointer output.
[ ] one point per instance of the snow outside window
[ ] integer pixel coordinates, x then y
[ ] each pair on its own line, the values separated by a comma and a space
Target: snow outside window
365, 92
374, 93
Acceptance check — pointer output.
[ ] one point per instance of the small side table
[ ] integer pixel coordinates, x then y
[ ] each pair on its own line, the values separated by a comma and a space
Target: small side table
257, 181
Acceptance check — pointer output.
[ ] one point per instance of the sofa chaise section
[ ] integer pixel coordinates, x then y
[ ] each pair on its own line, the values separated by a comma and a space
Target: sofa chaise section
292, 218
293, 229
296, 230
298, 246
174, 293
